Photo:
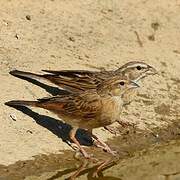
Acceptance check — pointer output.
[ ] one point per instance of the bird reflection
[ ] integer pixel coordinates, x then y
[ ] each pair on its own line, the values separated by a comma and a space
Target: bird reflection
91, 169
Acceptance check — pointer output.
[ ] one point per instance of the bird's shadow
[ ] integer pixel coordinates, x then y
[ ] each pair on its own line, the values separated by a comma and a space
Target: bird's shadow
57, 127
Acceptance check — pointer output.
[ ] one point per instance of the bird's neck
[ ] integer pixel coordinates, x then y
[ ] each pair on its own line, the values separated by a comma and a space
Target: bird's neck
117, 99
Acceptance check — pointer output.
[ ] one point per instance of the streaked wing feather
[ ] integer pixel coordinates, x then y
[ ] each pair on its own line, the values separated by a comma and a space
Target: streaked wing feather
86, 105
76, 84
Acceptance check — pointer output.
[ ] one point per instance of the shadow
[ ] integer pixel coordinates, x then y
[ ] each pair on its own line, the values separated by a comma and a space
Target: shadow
57, 127
50, 89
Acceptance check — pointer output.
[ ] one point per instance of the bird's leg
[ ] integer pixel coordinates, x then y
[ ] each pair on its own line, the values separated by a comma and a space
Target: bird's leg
106, 147
95, 137
73, 138
103, 145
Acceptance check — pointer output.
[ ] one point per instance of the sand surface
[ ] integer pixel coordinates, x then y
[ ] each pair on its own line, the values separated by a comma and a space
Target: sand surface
69, 34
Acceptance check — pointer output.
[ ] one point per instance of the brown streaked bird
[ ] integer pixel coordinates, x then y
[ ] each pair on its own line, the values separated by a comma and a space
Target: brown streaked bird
82, 80
87, 110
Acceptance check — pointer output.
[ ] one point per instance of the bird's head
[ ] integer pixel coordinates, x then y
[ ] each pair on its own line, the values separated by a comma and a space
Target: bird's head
136, 70
116, 86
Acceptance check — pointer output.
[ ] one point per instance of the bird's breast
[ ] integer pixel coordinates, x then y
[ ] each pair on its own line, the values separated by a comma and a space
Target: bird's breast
112, 108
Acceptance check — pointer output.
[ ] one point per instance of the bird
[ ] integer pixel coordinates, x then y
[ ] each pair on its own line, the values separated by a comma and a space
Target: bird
87, 110
83, 80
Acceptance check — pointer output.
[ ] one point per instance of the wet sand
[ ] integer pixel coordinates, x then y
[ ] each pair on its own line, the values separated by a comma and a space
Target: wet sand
140, 155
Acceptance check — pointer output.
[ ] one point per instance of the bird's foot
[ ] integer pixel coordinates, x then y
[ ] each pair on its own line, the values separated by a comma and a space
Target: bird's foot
79, 150
105, 147
109, 150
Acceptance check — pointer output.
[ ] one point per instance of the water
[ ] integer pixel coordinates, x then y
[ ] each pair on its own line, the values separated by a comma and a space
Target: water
141, 155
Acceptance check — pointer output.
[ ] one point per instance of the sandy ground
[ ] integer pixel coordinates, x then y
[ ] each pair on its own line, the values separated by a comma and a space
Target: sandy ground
68, 34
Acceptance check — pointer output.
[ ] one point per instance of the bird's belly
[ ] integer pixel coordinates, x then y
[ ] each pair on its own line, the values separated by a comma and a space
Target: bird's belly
109, 114
79, 122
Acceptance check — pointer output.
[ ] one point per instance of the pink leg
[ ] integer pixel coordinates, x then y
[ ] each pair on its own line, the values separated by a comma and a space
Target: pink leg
73, 138
103, 145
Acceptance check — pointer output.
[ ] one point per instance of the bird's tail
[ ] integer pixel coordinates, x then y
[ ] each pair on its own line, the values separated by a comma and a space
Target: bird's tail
21, 103
26, 74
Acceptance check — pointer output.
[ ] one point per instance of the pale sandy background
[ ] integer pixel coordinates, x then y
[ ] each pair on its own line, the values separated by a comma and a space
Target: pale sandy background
80, 34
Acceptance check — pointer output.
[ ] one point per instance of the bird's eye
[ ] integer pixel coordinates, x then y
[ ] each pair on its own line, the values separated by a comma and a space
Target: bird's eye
122, 83
138, 68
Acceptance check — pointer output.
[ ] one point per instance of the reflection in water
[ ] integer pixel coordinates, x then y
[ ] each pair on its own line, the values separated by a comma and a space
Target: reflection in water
93, 172
159, 162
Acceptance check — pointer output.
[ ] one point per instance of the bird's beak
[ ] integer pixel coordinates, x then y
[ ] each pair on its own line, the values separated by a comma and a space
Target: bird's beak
152, 71
134, 85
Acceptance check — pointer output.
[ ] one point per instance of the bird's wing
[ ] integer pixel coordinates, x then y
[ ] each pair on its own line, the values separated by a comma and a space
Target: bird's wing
84, 106
74, 84
77, 81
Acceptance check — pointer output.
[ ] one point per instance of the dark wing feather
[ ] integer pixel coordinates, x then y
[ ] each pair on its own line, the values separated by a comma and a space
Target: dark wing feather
80, 73
72, 84
71, 73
